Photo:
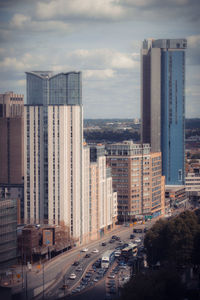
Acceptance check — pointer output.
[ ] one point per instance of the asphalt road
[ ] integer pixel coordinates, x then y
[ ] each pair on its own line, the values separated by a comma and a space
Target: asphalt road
60, 266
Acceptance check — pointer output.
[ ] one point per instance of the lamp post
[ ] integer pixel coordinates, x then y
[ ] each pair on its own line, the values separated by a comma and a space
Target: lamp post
43, 280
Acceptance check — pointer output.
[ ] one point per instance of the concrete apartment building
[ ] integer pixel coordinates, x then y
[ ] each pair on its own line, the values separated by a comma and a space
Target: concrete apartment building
57, 164
102, 204
163, 103
102, 200
137, 179
12, 148
53, 150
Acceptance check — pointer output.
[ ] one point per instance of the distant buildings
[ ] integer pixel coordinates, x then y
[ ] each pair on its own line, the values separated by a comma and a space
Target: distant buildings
137, 179
192, 185
175, 197
163, 103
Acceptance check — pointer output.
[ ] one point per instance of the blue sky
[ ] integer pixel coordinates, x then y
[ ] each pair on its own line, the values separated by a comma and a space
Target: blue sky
101, 38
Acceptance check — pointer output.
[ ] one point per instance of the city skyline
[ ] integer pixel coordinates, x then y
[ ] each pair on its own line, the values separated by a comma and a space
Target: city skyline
103, 40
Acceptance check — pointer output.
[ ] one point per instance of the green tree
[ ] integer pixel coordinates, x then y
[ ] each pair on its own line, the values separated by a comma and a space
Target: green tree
162, 284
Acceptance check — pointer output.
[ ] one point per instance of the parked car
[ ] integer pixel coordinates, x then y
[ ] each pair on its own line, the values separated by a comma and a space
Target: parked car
103, 244
76, 263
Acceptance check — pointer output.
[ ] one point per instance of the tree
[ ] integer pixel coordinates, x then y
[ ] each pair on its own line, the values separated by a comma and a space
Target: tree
174, 240
162, 284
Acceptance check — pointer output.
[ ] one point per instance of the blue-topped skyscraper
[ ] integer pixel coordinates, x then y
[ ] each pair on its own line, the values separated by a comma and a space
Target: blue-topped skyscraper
163, 103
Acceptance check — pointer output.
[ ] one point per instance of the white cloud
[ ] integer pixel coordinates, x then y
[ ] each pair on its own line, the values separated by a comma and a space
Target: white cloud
193, 41
99, 74
98, 9
122, 61
12, 63
103, 59
22, 22
19, 21
21, 83
139, 3
23, 63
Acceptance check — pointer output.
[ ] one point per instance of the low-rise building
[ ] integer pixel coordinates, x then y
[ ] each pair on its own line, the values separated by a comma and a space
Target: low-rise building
176, 196
192, 186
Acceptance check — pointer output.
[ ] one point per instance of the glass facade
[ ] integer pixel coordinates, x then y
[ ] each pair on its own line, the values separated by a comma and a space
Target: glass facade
60, 89
163, 103
173, 115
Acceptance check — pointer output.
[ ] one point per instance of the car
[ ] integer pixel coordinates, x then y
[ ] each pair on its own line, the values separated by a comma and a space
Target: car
137, 241
114, 237
117, 253
118, 238
95, 251
137, 230
96, 279
103, 244
111, 241
112, 281
112, 290
87, 255
132, 236
145, 229
72, 276
79, 269
84, 250
76, 263
111, 276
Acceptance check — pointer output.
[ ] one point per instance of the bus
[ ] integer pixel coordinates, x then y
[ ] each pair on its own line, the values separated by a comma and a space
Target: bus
107, 259
130, 251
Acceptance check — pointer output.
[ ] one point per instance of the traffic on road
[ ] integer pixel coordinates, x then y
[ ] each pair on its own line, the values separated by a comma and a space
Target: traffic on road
113, 261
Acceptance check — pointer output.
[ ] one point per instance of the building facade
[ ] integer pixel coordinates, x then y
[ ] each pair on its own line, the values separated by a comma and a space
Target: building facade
176, 196
137, 179
8, 232
12, 148
163, 103
102, 199
192, 185
53, 150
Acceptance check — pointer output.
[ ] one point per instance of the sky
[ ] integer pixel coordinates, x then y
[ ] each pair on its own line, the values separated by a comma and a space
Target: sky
101, 38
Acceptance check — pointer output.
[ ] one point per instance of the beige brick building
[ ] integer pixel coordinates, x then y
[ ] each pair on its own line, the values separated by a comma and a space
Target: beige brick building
137, 179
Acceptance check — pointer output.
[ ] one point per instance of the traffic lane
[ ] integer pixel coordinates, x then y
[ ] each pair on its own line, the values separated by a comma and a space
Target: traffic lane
97, 292
94, 274
86, 264
56, 268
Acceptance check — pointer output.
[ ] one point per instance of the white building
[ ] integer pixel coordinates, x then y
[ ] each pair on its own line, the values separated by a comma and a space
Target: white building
53, 150
192, 185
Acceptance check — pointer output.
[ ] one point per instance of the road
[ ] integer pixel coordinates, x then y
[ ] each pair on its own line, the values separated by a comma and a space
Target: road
55, 269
